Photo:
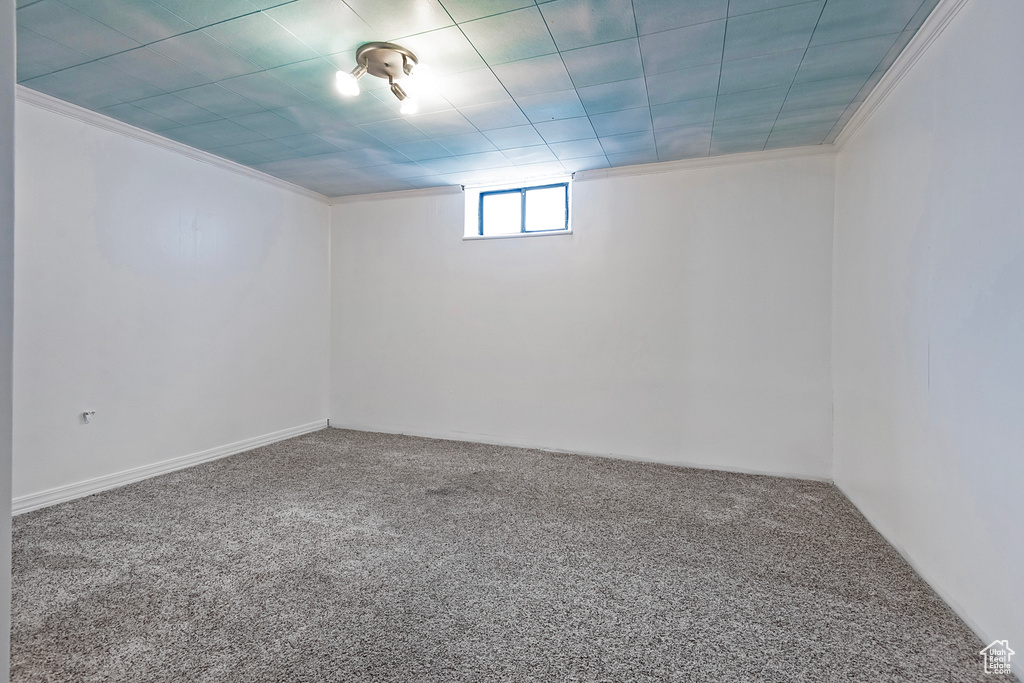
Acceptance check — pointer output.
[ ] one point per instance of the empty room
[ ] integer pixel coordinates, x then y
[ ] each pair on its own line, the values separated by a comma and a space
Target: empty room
511, 340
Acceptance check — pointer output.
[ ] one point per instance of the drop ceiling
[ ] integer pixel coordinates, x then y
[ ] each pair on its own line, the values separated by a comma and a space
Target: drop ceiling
524, 88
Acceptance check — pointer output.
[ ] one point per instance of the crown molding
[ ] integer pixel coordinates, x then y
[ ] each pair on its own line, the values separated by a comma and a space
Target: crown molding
706, 162
398, 194
58, 106
929, 32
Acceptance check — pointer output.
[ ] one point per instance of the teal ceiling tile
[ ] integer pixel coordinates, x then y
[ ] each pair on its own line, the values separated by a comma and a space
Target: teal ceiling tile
202, 53
95, 79
241, 155
373, 156
66, 87
737, 144
314, 78
397, 18
139, 117
176, 109
566, 130
683, 48
534, 76
61, 24
443, 123
473, 87
868, 86
313, 117
261, 40
141, 20
38, 55
922, 14
401, 171
852, 19
205, 12
737, 7
793, 121
362, 109
653, 16
327, 26
265, 89
684, 142
467, 10
750, 126
220, 101
851, 58
598, 99
625, 143
813, 135
495, 115
269, 124
153, 67
529, 155
685, 113
585, 163
272, 150
445, 51
551, 106
576, 149
633, 158
348, 138
617, 61
309, 144
467, 143
777, 30
765, 71
816, 94
510, 37
617, 122
579, 23
213, 135
394, 131
895, 49
764, 102
420, 150
686, 84
516, 136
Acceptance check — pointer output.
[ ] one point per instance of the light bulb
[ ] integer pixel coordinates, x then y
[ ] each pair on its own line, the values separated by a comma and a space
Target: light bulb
348, 84
422, 81
409, 106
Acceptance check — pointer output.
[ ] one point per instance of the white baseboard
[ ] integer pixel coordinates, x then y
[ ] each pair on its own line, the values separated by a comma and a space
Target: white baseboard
517, 443
61, 494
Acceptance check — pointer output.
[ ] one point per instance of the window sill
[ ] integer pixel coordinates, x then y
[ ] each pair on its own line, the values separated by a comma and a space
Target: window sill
516, 235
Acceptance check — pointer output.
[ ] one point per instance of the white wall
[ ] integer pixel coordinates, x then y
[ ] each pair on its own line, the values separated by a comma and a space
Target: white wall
929, 318
186, 304
6, 319
685, 321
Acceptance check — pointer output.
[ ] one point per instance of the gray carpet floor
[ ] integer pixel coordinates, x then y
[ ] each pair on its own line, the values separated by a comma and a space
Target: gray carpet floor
349, 556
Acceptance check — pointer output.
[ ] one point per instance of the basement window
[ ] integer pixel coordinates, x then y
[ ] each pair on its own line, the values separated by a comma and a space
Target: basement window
519, 211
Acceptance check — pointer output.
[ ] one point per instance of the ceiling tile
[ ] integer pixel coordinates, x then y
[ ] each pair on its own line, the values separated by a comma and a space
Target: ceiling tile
684, 142
510, 37
628, 121
616, 61
348, 139
534, 76
176, 109
269, 150
269, 124
777, 30
585, 163
202, 53
566, 130
309, 144
218, 100
641, 141
61, 24
579, 23
828, 93
314, 78
141, 20
495, 115
311, 117
765, 71
598, 99
467, 10
327, 26
789, 122
38, 55
737, 7
564, 104
213, 135
633, 158
445, 51
139, 117
738, 144
265, 89
261, 40
685, 84
473, 87
397, 18
444, 123
529, 155
205, 12
516, 136
764, 102
653, 16
685, 113
94, 85
394, 131
419, 150
894, 51
68, 88
852, 19
239, 154
851, 58
922, 13
751, 126
362, 109
576, 149
813, 135
467, 143
153, 67
683, 48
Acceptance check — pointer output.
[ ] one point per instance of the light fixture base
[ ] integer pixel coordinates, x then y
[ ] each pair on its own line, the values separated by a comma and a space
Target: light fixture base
385, 60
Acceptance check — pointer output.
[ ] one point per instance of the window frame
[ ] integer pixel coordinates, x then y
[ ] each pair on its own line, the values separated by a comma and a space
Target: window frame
522, 210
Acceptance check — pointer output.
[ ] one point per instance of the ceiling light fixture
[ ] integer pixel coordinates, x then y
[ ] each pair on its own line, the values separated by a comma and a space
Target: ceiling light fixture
383, 60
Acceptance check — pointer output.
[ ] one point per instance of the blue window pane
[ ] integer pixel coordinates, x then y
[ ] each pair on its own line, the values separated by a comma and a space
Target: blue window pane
545, 209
